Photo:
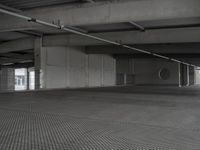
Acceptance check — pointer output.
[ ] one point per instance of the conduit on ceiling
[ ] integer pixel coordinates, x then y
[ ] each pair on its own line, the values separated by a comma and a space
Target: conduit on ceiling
71, 30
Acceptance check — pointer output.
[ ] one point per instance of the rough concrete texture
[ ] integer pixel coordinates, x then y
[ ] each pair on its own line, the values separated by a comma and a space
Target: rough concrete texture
120, 118
7, 79
72, 67
112, 12
147, 72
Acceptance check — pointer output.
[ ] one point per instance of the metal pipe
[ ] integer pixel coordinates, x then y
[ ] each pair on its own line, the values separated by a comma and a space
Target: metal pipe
137, 25
62, 27
9, 8
158, 55
77, 29
14, 14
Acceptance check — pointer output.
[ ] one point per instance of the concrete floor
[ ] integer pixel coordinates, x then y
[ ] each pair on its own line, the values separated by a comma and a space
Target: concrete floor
120, 118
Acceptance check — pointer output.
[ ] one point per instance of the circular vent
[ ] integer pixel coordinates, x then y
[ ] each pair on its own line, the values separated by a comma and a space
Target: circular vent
164, 74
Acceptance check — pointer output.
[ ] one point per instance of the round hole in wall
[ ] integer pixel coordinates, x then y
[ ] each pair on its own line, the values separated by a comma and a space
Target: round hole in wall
164, 74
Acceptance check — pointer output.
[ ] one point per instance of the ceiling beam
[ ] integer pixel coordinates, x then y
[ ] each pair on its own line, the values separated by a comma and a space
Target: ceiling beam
179, 56
176, 48
90, 1
12, 61
31, 33
17, 45
156, 45
189, 35
19, 65
103, 13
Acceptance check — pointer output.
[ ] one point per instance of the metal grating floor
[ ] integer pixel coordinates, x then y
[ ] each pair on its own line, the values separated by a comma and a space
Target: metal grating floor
97, 120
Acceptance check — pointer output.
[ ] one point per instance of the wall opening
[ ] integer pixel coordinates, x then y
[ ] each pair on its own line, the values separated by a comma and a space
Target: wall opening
24, 79
20, 79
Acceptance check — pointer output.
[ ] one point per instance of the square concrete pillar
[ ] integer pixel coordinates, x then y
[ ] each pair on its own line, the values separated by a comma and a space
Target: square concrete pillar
37, 62
184, 75
7, 79
191, 76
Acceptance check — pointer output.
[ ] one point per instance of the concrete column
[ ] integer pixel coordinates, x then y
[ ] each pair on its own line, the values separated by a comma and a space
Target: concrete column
184, 75
188, 75
179, 75
37, 56
27, 80
125, 79
87, 70
191, 75
7, 79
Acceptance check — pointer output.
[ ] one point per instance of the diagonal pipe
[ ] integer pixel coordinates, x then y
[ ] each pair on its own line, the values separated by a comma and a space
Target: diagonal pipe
64, 28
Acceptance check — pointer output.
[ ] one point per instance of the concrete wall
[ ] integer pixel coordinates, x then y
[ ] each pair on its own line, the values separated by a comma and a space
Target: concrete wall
197, 76
72, 67
147, 72
191, 76
184, 75
125, 71
125, 65
7, 79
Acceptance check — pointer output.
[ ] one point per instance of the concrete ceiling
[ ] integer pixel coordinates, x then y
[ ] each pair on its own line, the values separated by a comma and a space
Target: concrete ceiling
8, 36
17, 57
114, 15
102, 28
110, 20
29, 4
147, 25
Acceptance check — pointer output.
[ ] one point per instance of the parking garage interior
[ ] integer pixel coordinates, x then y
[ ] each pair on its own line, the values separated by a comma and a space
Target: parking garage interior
99, 75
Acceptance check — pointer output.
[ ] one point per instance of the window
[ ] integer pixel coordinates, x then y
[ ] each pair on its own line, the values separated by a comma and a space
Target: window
21, 79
